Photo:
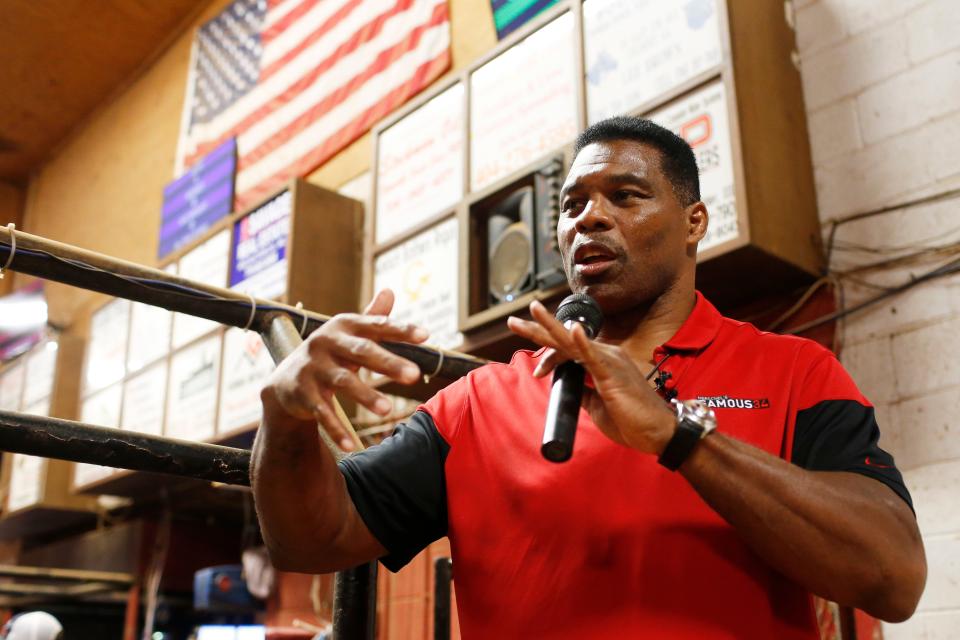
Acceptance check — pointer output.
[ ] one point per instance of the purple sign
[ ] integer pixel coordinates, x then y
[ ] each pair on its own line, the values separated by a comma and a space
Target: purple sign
258, 257
196, 200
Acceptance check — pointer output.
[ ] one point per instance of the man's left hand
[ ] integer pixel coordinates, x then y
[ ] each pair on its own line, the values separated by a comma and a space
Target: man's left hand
622, 404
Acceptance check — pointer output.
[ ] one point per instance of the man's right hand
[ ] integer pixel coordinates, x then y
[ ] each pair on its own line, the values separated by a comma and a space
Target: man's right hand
302, 387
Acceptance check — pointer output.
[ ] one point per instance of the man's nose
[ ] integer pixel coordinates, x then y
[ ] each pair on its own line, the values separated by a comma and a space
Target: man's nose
594, 217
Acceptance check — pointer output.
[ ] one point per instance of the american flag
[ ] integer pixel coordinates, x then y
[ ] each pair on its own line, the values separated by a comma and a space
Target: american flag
297, 80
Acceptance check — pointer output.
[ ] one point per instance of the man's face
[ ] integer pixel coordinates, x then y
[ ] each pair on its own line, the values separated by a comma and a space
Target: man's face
623, 235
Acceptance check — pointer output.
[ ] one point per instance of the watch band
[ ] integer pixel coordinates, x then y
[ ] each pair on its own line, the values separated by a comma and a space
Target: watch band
695, 421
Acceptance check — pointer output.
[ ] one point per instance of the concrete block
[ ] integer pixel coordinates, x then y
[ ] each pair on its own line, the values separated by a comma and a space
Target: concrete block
927, 359
911, 98
834, 130
932, 30
943, 574
934, 489
854, 64
870, 364
928, 224
924, 305
860, 16
916, 162
912, 629
817, 26
942, 625
929, 429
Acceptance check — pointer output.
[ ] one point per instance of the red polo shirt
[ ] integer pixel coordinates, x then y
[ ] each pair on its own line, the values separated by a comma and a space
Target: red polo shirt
611, 544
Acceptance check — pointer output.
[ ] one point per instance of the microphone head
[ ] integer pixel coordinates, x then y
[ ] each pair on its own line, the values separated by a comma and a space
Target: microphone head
581, 308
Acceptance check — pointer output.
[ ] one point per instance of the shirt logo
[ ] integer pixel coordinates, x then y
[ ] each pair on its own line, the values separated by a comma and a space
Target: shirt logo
727, 402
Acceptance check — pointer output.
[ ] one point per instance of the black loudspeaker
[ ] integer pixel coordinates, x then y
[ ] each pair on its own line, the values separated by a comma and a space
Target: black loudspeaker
522, 237
510, 260
546, 184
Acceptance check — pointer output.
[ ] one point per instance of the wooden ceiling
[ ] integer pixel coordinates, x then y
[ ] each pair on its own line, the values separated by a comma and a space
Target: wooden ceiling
60, 59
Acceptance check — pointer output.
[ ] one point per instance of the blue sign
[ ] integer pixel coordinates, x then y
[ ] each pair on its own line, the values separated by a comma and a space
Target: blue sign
196, 200
258, 258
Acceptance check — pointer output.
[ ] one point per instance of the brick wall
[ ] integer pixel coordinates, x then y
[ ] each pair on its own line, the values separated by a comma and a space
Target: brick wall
882, 89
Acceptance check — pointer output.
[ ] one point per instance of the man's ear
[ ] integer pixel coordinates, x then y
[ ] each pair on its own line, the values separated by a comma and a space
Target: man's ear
697, 220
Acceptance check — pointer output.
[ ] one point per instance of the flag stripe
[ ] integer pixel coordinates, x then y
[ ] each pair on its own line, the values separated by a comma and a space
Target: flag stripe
383, 60
342, 115
326, 77
294, 81
325, 27
313, 158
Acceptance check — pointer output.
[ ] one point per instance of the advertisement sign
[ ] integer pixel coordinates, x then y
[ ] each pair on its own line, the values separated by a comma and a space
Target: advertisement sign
701, 119
636, 50
420, 164
149, 335
523, 103
196, 200
11, 387
258, 257
246, 366
192, 398
101, 410
510, 15
107, 349
144, 398
423, 273
207, 263
41, 368
26, 481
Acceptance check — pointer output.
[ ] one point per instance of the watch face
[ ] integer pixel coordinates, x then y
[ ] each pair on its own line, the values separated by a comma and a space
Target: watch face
698, 412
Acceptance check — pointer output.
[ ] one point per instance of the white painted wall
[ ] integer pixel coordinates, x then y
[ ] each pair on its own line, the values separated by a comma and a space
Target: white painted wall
882, 88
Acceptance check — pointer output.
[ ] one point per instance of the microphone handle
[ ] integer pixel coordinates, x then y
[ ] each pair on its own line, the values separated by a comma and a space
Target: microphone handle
563, 410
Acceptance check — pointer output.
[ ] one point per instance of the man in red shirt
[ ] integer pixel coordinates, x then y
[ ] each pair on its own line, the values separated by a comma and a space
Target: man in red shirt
715, 515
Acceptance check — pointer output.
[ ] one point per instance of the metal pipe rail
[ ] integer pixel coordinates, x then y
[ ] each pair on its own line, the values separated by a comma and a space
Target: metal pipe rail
78, 267
355, 591
79, 442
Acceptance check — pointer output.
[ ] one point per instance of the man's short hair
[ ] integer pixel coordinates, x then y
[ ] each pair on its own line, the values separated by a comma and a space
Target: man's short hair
677, 161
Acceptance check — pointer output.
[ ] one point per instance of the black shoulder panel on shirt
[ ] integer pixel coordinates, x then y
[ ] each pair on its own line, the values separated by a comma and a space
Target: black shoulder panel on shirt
842, 435
399, 488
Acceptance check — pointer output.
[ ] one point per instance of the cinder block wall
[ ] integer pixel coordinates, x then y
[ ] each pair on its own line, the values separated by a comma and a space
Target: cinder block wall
882, 89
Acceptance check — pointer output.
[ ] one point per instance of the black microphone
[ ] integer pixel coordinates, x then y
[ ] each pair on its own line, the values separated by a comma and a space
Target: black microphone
567, 388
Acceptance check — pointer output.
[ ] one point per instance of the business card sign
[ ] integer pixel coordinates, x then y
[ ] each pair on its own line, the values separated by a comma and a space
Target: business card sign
423, 273
26, 481
103, 410
144, 399
420, 164
192, 400
41, 369
11, 387
258, 257
246, 366
107, 350
195, 201
702, 120
637, 50
523, 103
206, 263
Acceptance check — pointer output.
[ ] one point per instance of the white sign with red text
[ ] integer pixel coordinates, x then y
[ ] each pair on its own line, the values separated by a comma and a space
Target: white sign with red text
208, 264
523, 103
107, 349
144, 397
637, 50
192, 398
701, 119
423, 273
420, 164
246, 366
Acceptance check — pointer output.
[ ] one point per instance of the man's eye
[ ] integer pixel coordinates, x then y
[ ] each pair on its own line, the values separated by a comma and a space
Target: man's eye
624, 194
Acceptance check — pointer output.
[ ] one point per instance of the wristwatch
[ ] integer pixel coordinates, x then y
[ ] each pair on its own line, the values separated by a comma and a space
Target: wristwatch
695, 421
